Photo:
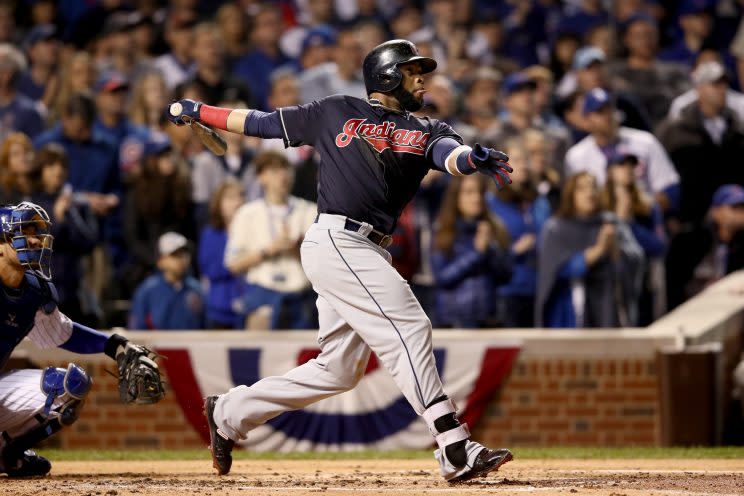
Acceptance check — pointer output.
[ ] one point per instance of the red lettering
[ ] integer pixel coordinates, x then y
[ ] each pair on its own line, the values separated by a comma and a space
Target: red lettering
350, 129
415, 135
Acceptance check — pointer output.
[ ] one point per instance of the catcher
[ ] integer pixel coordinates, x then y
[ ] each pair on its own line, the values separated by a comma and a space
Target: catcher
35, 404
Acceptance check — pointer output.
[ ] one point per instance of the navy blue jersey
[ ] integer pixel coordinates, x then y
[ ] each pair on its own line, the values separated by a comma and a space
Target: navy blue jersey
372, 159
18, 308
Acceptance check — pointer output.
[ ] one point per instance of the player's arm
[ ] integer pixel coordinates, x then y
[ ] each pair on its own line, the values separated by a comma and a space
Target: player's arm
250, 122
139, 377
450, 156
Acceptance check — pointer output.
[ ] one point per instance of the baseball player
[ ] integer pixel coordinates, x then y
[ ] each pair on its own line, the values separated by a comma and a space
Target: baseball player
374, 153
34, 404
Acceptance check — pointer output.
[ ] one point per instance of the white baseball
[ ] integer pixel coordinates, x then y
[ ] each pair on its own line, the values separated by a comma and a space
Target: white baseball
176, 109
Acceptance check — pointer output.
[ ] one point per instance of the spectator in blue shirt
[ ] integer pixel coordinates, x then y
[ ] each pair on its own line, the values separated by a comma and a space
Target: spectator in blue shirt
470, 258
17, 112
256, 66
111, 121
42, 47
520, 207
223, 287
171, 299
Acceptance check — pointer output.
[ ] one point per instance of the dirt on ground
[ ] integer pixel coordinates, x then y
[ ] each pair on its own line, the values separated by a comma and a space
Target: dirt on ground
383, 478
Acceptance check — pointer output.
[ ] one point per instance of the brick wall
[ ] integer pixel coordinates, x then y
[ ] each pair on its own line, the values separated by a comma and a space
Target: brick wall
544, 402
589, 402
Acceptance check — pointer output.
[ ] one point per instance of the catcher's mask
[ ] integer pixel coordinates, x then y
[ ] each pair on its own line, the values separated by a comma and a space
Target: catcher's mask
27, 228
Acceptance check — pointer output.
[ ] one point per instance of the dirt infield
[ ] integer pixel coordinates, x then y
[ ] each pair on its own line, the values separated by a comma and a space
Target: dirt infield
382, 478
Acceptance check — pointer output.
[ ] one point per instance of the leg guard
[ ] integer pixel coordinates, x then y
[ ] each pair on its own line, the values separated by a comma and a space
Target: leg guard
66, 390
450, 434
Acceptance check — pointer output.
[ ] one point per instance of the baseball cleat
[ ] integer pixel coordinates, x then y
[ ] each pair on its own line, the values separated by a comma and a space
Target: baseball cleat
488, 460
30, 465
219, 444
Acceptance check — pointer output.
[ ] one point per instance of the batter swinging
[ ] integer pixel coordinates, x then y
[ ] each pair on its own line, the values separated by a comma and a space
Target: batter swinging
374, 154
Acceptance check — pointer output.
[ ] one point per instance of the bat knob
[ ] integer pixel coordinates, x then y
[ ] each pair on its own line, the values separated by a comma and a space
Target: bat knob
176, 109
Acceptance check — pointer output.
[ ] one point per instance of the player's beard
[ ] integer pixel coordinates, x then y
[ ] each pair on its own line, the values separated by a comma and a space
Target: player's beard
407, 100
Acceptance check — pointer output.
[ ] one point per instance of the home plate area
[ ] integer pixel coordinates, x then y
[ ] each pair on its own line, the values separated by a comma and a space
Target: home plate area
628, 477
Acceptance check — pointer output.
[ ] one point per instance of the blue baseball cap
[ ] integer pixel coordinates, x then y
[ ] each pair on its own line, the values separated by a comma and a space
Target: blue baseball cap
728, 194
595, 100
111, 81
586, 56
155, 147
518, 81
319, 36
638, 17
692, 7
42, 32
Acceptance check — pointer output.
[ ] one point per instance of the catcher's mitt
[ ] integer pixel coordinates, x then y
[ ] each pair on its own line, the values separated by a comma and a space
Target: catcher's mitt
139, 376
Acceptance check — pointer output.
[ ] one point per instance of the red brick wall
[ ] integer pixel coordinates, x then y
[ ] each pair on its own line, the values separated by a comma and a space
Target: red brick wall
544, 402
593, 402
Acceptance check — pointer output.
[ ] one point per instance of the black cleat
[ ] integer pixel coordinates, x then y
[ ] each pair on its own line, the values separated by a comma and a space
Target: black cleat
487, 461
220, 445
30, 465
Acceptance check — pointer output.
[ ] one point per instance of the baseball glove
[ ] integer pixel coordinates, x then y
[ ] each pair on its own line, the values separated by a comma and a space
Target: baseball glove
139, 376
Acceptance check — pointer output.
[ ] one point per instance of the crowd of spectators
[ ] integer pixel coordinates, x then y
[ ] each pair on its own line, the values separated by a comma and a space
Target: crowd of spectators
623, 120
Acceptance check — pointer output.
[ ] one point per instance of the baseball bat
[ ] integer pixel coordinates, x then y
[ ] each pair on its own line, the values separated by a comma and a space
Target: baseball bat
213, 141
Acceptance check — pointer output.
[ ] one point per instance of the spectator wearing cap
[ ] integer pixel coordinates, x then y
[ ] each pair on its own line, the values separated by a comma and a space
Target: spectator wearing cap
42, 47
590, 71
115, 48
211, 72
624, 196
342, 76
158, 201
209, 171
315, 13
263, 246
719, 248
17, 112
520, 114
265, 56
654, 83
656, 172
177, 65
544, 89
696, 21
585, 16
706, 132
171, 299
111, 91
734, 99
317, 47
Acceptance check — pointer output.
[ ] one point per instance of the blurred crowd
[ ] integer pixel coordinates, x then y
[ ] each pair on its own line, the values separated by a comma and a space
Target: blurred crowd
623, 121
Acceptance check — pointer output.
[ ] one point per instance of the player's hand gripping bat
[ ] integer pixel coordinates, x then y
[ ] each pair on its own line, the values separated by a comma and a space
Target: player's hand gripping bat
207, 135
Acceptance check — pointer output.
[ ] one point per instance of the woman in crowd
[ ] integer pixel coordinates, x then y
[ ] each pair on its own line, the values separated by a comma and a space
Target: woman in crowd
470, 257
75, 230
158, 201
523, 212
223, 287
624, 196
18, 176
149, 97
589, 264
78, 76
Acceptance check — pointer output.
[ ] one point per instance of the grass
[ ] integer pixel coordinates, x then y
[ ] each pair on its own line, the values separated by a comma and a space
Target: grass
733, 452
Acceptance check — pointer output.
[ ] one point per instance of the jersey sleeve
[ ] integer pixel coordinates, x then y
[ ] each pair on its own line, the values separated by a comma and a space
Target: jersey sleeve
50, 330
438, 131
301, 124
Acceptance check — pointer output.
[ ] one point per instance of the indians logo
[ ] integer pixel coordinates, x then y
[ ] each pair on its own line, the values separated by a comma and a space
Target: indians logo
383, 136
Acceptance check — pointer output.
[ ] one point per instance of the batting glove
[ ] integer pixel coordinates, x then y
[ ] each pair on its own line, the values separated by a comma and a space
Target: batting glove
492, 163
183, 108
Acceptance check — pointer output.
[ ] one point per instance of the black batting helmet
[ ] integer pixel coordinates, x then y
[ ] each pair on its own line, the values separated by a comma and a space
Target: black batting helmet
381, 72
